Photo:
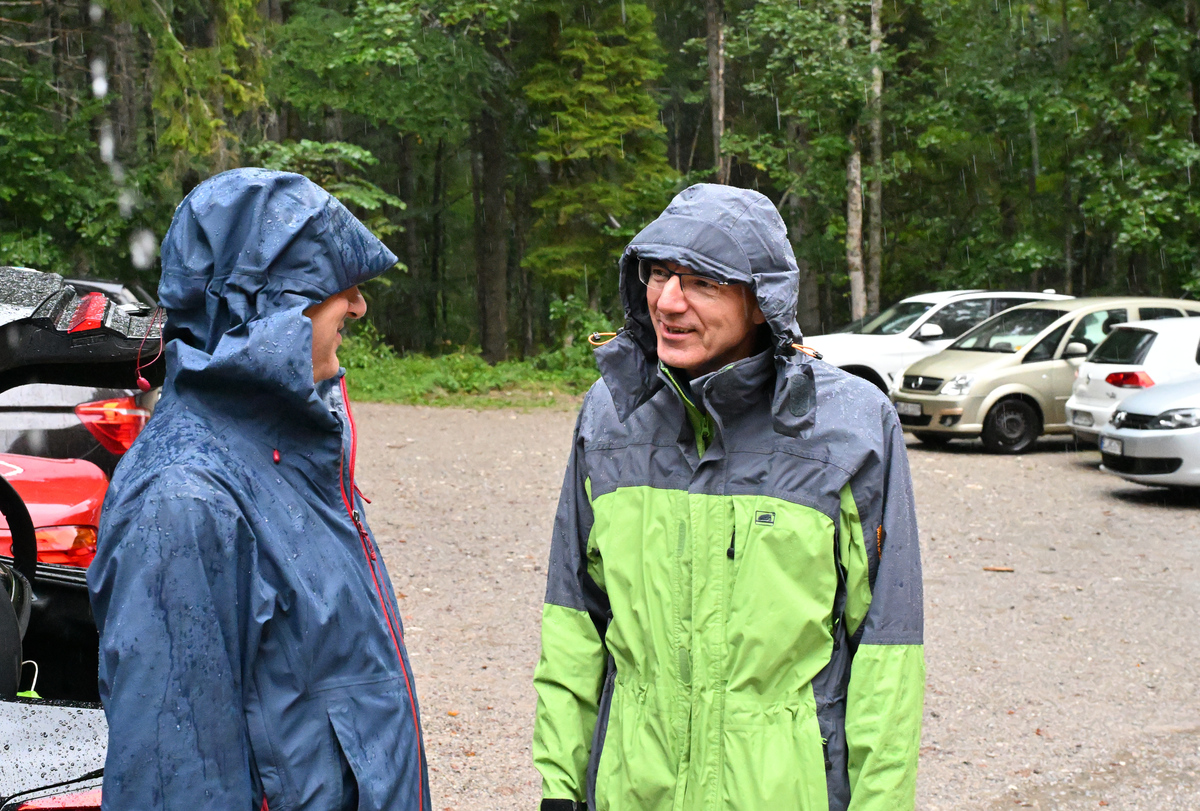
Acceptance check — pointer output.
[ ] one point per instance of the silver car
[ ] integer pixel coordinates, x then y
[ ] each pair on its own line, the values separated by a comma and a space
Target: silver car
1154, 436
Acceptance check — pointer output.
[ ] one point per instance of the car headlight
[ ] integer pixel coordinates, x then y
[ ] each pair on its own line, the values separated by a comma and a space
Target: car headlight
1177, 418
961, 384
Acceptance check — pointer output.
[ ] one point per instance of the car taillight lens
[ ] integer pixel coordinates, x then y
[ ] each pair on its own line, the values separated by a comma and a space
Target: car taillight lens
89, 313
115, 423
76, 801
1129, 380
65, 546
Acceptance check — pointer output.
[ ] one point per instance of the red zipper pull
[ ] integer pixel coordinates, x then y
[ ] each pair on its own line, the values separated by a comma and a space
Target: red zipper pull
360, 493
275, 456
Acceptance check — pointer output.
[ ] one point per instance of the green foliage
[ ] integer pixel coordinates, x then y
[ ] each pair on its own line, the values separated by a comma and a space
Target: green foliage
599, 140
374, 372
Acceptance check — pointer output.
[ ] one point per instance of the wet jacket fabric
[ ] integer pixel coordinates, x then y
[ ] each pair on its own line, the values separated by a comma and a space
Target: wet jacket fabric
251, 650
734, 623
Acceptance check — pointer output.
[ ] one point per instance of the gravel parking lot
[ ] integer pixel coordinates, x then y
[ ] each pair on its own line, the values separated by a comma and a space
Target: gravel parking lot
1068, 683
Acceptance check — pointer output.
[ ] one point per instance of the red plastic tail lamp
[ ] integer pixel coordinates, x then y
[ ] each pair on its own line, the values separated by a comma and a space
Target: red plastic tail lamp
65, 546
75, 801
115, 423
1129, 380
89, 313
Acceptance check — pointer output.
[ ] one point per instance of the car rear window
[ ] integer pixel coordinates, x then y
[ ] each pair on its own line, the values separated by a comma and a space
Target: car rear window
1124, 346
1157, 313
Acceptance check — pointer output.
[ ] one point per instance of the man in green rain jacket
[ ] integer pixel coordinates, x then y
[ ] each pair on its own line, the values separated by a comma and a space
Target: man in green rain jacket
733, 618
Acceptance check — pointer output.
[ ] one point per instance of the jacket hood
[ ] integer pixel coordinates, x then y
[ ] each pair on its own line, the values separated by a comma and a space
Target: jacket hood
732, 234
247, 251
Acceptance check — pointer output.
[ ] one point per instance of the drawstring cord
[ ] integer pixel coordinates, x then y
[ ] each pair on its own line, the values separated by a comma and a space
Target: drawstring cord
601, 338
808, 350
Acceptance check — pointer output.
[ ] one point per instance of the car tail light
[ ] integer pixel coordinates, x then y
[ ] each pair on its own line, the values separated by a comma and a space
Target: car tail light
89, 313
1129, 380
65, 546
116, 423
75, 801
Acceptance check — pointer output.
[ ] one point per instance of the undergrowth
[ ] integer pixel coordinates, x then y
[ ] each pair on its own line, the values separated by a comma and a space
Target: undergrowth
376, 373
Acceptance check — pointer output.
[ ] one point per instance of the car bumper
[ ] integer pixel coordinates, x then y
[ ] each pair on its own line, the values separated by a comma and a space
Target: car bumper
1087, 421
1154, 457
942, 414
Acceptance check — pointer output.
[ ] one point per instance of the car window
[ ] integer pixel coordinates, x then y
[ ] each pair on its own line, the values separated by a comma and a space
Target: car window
1155, 313
1094, 327
999, 305
1046, 347
1009, 331
1193, 313
959, 316
1125, 346
895, 319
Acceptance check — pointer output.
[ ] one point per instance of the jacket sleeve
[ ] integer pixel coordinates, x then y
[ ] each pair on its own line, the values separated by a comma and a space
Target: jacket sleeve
885, 617
167, 591
570, 672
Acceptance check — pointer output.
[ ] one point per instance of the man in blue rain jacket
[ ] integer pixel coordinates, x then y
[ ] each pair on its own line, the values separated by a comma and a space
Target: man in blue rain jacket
251, 651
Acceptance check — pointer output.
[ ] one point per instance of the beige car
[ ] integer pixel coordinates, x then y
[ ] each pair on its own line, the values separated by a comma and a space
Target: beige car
1008, 379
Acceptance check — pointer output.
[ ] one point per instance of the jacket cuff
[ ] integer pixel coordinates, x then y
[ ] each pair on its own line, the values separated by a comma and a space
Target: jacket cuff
563, 805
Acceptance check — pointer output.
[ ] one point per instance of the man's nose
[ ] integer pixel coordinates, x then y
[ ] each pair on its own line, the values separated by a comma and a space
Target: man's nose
358, 304
672, 298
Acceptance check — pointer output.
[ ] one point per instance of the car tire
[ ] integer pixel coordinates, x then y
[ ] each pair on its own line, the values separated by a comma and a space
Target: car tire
932, 438
1011, 426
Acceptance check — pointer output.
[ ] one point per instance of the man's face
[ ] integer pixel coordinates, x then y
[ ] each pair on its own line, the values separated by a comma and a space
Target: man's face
700, 326
328, 319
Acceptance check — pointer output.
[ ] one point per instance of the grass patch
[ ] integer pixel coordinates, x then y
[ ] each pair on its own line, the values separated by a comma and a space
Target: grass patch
375, 373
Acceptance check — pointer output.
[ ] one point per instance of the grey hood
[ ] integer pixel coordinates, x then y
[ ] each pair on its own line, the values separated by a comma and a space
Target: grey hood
732, 234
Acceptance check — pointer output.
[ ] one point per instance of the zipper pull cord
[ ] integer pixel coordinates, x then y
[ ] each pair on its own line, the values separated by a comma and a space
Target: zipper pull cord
729, 552
362, 534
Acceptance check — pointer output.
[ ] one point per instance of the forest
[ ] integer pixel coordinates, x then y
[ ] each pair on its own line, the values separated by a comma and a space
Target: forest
508, 149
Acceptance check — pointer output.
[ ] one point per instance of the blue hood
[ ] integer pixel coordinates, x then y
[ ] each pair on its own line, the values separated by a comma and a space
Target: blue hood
247, 252
251, 649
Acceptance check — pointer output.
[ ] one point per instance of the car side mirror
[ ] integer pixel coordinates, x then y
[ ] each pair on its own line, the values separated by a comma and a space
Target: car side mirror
1075, 349
929, 332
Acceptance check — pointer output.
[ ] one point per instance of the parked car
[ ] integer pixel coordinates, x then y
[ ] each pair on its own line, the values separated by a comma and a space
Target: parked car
1133, 357
77, 420
53, 751
54, 746
878, 348
1008, 379
1154, 436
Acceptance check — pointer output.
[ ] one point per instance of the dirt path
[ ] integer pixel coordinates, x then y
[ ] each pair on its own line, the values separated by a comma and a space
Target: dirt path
1067, 684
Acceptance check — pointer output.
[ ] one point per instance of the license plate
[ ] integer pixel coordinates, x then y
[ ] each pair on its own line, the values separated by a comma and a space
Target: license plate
1114, 446
909, 409
1082, 418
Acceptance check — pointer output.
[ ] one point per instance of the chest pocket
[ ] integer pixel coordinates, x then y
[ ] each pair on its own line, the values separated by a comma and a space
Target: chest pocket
780, 604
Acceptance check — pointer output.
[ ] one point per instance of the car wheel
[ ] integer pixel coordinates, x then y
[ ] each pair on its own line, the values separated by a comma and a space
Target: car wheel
932, 438
1012, 426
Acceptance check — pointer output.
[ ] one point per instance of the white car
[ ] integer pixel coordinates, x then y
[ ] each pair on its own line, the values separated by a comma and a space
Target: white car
881, 347
1154, 437
1133, 357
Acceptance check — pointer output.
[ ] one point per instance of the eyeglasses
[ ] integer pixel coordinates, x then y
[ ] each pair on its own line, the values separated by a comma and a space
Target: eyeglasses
693, 285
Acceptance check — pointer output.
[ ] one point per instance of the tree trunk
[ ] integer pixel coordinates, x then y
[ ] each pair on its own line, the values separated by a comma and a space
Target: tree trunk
437, 239
489, 193
715, 17
808, 305
1034, 170
418, 339
854, 257
875, 232
1192, 23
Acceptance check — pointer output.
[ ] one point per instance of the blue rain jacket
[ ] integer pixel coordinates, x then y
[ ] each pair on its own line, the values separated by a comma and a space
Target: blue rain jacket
251, 650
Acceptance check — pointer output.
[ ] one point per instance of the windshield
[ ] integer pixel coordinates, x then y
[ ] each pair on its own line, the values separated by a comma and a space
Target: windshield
1009, 331
894, 319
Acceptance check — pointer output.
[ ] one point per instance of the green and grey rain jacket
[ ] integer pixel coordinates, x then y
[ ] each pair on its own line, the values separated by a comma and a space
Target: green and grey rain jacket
733, 617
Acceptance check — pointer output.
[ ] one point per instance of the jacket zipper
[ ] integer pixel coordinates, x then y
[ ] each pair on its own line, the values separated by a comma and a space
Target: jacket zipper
368, 549
729, 553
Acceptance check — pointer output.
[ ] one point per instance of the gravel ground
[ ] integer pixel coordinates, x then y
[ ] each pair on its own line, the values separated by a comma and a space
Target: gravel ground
1070, 683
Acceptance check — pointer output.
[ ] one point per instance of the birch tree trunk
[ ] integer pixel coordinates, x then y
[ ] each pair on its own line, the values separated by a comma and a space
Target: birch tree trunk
808, 305
854, 257
875, 229
715, 16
